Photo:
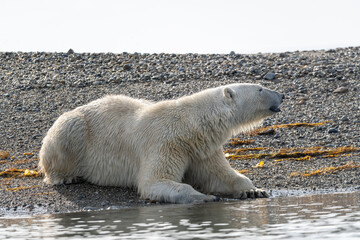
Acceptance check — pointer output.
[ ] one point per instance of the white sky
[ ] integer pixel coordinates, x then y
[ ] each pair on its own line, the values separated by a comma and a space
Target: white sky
178, 26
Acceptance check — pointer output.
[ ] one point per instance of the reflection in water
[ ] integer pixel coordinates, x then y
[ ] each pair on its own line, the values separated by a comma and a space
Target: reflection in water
317, 216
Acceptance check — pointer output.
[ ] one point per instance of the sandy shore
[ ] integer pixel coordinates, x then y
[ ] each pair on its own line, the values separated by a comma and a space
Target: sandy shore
322, 89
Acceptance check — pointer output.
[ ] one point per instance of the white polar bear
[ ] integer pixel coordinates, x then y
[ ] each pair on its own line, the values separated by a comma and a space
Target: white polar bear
163, 149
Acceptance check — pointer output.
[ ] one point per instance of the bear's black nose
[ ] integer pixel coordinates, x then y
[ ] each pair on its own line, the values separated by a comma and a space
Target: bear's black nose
282, 96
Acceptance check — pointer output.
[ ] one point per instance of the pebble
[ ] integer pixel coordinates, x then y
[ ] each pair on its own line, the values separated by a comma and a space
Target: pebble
113, 207
333, 130
303, 90
341, 90
269, 76
127, 67
90, 208
301, 102
345, 119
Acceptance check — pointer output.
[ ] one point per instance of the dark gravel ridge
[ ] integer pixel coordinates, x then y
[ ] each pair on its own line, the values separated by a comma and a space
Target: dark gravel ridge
36, 88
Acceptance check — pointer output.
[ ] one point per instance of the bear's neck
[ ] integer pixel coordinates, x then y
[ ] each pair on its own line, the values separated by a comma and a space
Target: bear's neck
211, 118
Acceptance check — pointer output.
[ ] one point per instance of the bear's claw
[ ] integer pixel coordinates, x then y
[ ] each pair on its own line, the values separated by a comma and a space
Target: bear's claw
252, 193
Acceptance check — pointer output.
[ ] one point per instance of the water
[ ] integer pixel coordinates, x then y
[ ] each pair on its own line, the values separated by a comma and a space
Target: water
334, 216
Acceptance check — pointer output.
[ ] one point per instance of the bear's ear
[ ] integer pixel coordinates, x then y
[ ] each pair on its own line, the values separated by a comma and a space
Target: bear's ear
229, 94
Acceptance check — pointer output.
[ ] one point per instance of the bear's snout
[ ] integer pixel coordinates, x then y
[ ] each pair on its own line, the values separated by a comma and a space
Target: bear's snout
275, 108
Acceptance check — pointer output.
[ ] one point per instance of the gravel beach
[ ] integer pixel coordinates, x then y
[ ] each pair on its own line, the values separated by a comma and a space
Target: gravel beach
322, 89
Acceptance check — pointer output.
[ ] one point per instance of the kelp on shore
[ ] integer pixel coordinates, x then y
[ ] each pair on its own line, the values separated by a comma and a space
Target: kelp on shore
15, 172
289, 154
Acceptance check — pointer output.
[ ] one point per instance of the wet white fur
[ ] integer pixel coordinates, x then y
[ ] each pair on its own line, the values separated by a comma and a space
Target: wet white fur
163, 149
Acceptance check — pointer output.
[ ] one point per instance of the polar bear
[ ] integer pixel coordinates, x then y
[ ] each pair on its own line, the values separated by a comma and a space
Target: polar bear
165, 149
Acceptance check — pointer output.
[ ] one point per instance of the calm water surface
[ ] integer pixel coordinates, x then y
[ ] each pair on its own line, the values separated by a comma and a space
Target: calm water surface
331, 216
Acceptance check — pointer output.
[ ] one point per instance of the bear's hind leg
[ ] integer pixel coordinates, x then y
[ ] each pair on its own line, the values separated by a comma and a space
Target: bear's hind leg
63, 149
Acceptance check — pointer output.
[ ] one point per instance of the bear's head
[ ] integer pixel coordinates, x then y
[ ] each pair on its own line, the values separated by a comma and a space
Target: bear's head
251, 103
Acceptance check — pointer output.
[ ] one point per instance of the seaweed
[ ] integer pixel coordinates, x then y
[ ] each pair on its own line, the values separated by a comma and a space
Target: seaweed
259, 165
238, 142
11, 172
239, 150
348, 165
306, 158
30, 173
271, 129
25, 160
42, 193
28, 154
15, 189
4, 155
293, 153
15, 172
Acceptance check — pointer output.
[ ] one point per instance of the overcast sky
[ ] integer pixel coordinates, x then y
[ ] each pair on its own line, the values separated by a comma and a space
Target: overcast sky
178, 26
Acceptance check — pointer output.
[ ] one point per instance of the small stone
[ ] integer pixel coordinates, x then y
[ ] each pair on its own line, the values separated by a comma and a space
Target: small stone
70, 51
277, 136
333, 130
232, 53
349, 182
147, 77
301, 102
267, 132
127, 67
341, 90
345, 119
80, 85
279, 177
303, 98
339, 78
303, 90
113, 208
89, 208
269, 76
38, 136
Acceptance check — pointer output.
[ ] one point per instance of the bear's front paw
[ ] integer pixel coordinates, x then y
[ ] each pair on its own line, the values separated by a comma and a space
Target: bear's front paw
251, 193
245, 189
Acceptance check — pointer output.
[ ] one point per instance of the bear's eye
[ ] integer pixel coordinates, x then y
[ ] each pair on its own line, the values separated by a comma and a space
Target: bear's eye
260, 89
